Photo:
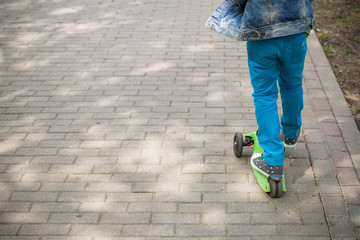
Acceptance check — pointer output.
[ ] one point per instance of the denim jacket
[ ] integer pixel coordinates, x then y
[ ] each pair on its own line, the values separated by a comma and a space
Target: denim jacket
247, 20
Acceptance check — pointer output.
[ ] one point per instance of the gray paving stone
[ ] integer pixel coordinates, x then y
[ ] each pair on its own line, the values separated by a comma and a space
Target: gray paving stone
175, 218
98, 230
46, 207
334, 204
323, 169
226, 218
132, 218
34, 196
251, 208
253, 230
74, 218
347, 176
178, 197
351, 194
341, 159
23, 218
355, 214
18, 186
129, 197
8, 230
312, 230
329, 186
313, 218
341, 227
318, 151
80, 197
200, 230
14, 206
152, 207
202, 208
273, 218
149, 230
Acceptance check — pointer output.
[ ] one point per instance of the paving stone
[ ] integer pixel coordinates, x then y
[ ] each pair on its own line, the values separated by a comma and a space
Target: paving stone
149, 230
340, 227
329, 186
74, 218
122, 218
341, 159
313, 136
152, 207
251, 207
336, 143
347, 176
355, 214
80, 197
34, 196
63, 187
175, 218
110, 187
318, 151
200, 230
321, 105
129, 197
225, 197
351, 194
99, 230
203, 168
252, 230
312, 230
202, 208
202, 187
323, 169
330, 129
313, 218
46, 207
226, 218
42, 229
18, 186
103, 207
66, 238
14, 206
178, 197
23, 217
300, 207
273, 218
334, 204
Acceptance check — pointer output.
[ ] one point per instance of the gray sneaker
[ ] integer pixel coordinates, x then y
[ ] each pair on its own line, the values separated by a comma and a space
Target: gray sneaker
260, 165
290, 143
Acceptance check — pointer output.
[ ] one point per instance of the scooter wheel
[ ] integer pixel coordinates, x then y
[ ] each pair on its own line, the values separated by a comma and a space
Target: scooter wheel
238, 144
275, 188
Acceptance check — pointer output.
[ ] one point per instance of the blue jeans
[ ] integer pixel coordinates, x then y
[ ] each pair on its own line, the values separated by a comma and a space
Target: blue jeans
273, 62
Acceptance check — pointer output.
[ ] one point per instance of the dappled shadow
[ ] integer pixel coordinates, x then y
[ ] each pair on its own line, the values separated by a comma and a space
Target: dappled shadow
115, 117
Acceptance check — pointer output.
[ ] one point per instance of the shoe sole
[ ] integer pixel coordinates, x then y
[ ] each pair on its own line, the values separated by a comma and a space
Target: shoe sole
292, 146
289, 146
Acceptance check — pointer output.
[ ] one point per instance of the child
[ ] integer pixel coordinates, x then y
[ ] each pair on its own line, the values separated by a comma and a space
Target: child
276, 32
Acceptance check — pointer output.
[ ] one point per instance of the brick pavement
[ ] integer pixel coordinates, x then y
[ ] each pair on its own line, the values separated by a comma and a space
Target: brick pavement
117, 120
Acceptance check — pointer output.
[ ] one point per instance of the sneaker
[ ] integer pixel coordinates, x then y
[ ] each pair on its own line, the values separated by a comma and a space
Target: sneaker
260, 165
290, 143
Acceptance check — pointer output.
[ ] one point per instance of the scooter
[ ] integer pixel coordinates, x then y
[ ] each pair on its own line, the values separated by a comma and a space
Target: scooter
272, 187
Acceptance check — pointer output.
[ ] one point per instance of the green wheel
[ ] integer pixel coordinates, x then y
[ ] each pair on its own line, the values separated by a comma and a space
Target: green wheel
238, 144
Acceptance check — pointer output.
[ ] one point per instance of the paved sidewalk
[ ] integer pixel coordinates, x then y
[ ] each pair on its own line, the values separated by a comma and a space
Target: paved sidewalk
117, 121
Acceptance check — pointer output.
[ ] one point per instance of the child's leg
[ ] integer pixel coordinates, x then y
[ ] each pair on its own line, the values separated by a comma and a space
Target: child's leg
264, 72
290, 82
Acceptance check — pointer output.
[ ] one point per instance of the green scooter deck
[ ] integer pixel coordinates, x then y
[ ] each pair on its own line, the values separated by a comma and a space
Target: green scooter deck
262, 180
